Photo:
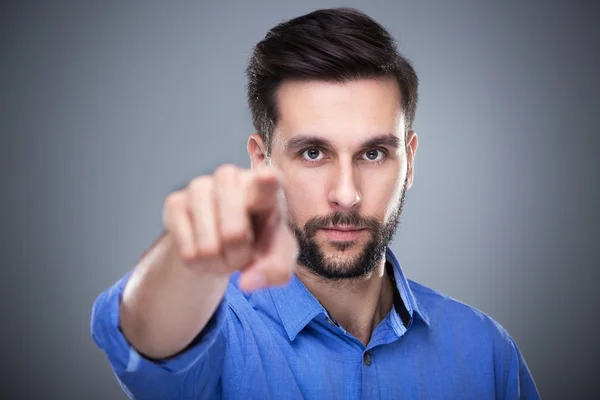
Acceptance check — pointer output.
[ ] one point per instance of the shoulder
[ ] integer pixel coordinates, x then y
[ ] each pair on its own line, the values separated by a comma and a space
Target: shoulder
470, 335
454, 317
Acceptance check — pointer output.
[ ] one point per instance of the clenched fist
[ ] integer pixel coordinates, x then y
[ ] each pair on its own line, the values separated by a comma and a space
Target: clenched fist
234, 220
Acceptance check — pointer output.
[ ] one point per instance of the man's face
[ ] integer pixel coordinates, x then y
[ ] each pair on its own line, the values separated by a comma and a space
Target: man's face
341, 150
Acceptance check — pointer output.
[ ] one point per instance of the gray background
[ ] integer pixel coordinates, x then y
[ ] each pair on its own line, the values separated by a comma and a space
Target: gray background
106, 107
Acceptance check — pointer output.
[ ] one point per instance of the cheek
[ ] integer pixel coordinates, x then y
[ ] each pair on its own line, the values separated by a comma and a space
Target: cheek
381, 190
303, 193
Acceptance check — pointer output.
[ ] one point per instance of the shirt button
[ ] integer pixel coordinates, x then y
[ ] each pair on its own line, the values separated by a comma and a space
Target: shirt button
368, 358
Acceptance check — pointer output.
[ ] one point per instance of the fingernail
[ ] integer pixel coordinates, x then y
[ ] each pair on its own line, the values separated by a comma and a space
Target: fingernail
255, 281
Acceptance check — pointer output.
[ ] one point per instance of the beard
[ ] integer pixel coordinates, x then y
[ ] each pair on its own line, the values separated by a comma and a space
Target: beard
312, 256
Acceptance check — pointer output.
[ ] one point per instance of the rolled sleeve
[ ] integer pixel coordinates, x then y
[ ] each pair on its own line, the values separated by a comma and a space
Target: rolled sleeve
173, 378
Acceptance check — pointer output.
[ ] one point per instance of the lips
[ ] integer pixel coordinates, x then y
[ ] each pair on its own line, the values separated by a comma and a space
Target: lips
343, 233
343, 228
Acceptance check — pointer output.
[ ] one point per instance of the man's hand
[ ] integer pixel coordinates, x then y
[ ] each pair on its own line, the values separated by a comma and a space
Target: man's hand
234, 220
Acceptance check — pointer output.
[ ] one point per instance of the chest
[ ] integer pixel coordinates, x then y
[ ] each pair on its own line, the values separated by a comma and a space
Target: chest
321, 363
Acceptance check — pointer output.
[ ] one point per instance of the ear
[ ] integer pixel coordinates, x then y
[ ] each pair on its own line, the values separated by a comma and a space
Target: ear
257, 151
412, 142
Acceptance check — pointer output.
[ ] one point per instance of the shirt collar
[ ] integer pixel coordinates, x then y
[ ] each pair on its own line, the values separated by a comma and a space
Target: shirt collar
296, 306
413, 306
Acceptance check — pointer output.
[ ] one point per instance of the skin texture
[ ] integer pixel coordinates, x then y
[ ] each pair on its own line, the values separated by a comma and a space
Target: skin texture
336, 175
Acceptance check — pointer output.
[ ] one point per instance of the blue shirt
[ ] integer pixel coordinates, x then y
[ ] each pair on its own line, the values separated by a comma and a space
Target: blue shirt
280, 343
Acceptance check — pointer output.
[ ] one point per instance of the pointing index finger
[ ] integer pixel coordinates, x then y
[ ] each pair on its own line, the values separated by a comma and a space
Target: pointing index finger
261, 194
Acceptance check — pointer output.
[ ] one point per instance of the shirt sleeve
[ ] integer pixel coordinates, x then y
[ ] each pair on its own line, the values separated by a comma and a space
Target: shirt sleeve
517, 381
194, 373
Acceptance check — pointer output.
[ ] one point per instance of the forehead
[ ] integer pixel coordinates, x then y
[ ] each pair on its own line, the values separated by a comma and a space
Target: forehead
352, 108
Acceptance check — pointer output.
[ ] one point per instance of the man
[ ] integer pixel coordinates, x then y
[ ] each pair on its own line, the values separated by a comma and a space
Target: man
278, 282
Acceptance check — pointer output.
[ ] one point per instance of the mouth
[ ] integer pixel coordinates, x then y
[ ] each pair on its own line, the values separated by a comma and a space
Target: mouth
343, 233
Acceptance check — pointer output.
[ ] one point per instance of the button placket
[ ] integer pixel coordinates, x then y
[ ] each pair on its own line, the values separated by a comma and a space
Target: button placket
368, 358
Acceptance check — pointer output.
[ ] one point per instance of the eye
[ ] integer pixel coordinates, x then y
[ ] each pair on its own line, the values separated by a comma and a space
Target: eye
374, 155
312, 154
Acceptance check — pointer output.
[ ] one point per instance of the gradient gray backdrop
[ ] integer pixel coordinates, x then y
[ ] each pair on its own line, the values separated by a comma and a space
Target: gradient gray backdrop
106, 107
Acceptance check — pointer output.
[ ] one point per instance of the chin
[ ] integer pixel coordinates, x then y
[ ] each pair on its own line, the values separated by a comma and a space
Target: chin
342, 247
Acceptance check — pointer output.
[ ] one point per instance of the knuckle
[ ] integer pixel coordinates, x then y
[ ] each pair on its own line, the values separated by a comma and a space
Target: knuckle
234, 235
200, 183
172, 204
208, 250
174, 200
226, 170
187, 256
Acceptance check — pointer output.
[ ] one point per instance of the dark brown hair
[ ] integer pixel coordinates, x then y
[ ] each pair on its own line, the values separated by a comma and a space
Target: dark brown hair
335, 45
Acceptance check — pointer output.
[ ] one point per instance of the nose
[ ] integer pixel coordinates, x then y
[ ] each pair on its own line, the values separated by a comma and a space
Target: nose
344, 194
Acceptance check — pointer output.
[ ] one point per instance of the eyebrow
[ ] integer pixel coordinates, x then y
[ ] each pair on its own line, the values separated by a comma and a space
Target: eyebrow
302, 141
387, 139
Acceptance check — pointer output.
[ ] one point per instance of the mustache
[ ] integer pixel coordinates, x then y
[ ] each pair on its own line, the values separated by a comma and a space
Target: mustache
338, 218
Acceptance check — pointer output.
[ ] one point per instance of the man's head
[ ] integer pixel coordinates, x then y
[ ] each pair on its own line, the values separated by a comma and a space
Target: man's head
333, 104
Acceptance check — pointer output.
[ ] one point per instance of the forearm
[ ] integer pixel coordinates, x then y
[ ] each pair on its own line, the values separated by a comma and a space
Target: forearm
166, 302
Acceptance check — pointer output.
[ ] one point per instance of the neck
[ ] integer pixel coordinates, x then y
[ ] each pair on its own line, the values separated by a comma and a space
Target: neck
358, 305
